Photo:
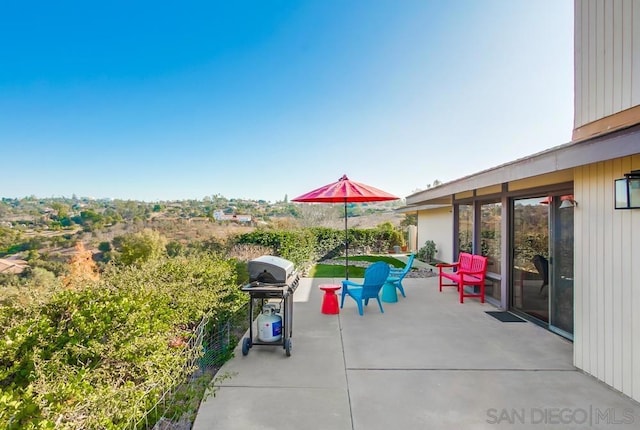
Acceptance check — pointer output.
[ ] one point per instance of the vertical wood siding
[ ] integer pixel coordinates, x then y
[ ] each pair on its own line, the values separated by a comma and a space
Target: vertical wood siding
607, 278
607, 58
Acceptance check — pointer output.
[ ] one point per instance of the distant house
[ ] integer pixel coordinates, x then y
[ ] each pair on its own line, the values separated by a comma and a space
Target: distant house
221, 216
562, 253
12, 266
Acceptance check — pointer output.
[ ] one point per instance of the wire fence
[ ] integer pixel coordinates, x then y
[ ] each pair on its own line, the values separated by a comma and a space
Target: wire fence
211, 346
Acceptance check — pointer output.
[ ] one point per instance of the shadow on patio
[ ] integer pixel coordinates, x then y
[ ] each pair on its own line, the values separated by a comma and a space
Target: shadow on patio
428, 362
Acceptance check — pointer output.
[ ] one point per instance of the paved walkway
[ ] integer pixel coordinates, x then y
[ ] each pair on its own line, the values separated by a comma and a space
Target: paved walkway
428, 362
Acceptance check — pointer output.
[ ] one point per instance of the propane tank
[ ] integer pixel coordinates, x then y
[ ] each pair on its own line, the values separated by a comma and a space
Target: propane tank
269, 325
274, 306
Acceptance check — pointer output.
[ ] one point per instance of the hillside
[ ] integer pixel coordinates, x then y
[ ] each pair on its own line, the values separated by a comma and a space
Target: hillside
51, 227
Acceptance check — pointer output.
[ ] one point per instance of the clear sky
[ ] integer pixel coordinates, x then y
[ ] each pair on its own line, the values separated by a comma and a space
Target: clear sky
260, 99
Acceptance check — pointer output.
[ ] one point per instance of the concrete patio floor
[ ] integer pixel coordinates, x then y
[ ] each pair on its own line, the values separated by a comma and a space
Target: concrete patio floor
428, 362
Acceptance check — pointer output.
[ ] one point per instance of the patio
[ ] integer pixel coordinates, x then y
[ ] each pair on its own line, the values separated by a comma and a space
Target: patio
428, 362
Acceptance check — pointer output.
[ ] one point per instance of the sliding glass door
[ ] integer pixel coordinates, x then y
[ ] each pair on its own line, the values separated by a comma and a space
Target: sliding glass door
530, 250
542, 261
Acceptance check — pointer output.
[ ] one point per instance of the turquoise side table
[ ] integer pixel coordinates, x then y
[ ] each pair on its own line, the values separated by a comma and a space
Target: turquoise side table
389, 293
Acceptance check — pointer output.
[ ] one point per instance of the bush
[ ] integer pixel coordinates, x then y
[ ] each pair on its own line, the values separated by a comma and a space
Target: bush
137, 248
329, 242
428, 252
104, 247
308, 245
298, 246
100, 354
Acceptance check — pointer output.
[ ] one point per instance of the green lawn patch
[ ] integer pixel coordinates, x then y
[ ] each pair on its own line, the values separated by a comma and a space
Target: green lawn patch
337, 270
373, 258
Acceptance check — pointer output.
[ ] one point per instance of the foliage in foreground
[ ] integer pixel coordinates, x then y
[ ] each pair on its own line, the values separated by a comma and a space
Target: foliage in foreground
99, 354
87, 352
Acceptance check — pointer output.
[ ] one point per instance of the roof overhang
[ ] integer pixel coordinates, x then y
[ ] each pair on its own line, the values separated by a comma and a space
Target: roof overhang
415, 208
566, 156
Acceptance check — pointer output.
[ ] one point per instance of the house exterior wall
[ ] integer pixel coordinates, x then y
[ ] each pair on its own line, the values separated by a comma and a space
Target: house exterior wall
607, 275
437, 225
607, 65
605, 146
607, 278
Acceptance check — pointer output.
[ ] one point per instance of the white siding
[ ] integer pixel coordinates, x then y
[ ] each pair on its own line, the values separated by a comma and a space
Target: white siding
607, 58
607, 278
437, 225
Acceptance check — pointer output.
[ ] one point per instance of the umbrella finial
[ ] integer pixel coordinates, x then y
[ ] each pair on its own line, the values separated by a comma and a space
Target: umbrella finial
344, 178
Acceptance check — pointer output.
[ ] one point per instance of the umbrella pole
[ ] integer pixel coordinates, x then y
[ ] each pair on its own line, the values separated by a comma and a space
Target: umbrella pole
346, 242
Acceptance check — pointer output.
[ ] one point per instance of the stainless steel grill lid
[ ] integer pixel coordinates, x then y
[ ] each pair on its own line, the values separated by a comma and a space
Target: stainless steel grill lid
270, 269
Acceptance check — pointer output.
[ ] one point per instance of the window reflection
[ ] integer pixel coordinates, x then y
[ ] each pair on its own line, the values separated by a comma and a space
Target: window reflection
530, 252
490, 220
490, 243
465, 228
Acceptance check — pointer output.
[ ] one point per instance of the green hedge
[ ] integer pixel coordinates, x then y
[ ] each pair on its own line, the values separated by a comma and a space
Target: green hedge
297, 246
308, 245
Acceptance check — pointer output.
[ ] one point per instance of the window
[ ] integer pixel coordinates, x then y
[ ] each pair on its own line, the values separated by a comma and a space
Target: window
490, 241
465, 228
487, 243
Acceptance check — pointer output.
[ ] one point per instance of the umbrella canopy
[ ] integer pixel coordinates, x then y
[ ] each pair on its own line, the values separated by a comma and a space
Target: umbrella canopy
345, 191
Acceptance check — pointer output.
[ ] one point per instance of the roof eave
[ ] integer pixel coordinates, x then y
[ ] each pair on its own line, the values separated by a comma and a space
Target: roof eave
562, 157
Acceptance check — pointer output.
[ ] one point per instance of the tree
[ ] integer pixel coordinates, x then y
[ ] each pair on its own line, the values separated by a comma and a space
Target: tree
136, 248
82, 268
91, 219
409, 219
8, 237
434, 184
62, 209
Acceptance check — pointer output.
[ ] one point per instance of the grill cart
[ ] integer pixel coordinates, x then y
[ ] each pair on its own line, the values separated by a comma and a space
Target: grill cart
273, 281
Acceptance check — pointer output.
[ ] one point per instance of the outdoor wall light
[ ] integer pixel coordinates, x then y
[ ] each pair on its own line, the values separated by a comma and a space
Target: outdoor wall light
567, 202
628, 191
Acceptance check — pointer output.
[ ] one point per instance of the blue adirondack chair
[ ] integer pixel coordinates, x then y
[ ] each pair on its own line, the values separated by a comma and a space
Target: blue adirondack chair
396, 275
374, 278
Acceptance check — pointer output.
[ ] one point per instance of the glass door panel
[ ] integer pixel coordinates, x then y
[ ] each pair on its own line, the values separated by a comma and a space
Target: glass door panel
561, 269
530, 247
465, 228
490, 245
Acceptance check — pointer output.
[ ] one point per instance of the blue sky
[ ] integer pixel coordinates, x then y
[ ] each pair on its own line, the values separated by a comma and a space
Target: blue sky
262, 99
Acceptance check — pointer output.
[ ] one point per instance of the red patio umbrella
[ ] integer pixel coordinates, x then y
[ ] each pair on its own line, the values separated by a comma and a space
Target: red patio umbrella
345, 191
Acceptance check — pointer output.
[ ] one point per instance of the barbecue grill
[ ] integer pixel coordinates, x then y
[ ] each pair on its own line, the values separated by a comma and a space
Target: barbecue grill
273, 280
